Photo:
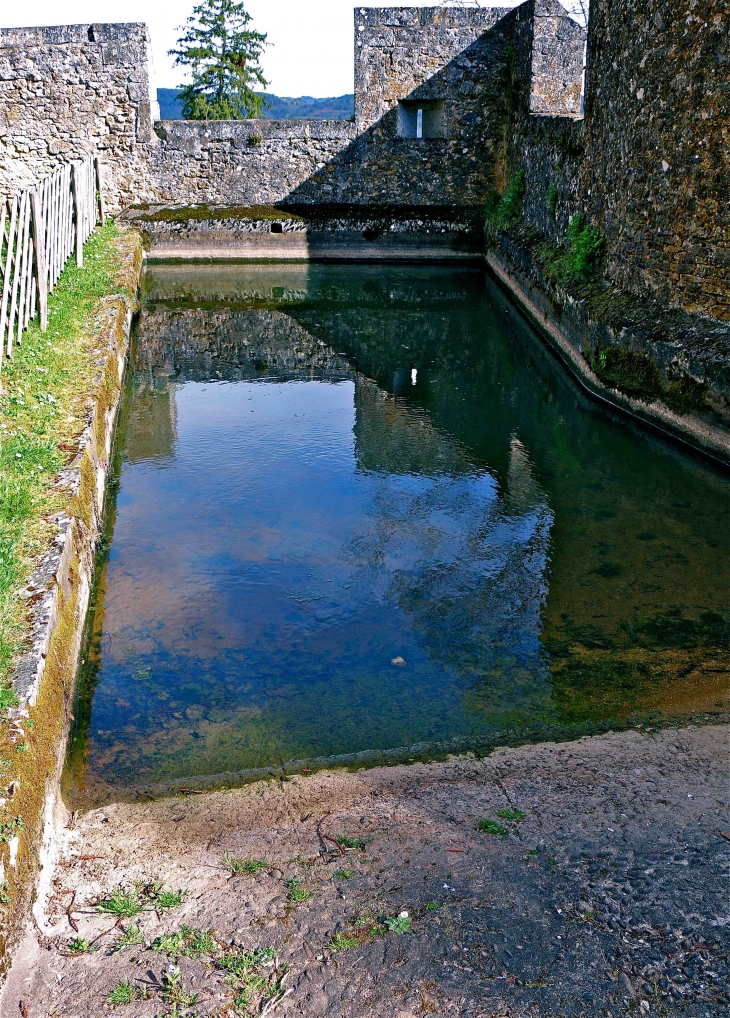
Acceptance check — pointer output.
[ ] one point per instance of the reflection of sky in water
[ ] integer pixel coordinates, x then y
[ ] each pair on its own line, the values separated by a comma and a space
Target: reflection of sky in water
261, 574
387, 463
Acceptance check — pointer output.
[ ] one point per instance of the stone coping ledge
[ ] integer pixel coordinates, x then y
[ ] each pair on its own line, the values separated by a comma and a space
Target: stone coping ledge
56, 35
241, 131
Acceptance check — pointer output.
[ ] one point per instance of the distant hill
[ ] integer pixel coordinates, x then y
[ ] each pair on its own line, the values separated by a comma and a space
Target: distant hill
341, 107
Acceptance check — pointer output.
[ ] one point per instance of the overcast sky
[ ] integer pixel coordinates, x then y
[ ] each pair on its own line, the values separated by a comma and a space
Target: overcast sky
312, 41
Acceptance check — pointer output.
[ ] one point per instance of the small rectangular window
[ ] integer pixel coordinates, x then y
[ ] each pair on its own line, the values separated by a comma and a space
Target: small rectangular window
420, 118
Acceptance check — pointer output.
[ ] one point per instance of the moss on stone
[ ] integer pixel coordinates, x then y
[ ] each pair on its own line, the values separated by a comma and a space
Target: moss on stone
197, 213
686, 396
632, 373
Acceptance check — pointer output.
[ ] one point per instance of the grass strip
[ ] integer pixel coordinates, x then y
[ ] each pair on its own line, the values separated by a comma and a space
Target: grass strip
45, 393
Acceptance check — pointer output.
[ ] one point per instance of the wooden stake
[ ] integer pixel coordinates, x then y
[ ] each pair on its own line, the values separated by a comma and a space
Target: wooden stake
6, 275
102, 210
39, 246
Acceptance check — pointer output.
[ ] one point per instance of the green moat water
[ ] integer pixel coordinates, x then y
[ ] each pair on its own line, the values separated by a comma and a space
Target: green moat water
362, 509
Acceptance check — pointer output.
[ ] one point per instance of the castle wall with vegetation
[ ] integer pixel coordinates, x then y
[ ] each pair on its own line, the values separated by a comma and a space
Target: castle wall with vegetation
499, 91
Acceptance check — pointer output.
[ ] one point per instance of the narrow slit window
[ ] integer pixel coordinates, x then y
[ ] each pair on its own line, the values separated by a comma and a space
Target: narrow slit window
419, 124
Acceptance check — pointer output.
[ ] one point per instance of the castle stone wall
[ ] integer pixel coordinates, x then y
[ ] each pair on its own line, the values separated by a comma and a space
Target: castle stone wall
67, 90
244, 162
656, 177
556, 73
402, 51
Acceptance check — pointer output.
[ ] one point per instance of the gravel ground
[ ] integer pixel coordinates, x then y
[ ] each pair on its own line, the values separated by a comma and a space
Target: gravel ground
609, 897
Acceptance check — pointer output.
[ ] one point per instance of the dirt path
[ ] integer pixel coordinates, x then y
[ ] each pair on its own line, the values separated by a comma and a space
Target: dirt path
608, 898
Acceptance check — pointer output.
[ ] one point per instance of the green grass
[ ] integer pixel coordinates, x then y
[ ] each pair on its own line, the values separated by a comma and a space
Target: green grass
358, 843
239, 962
297, 894
248, 866
491, 827
45, 387
579, 260
133, 937
124, 904
502, 210
123, 993
340, 942
187, 941
168, 899
344, 874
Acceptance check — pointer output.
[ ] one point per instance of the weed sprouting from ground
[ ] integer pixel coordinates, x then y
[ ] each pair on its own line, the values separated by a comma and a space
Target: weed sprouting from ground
400, 923
507, 813
124, 904
188, 942
173, 991
341, 941
248, 866
255, 977
296, 893
169, 899
360, 844
123, 993
133, 937
344, 874
80, 945
491, 827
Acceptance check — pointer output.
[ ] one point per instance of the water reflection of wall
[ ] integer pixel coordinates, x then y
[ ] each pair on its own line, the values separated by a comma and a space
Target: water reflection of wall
190, 344
636, 610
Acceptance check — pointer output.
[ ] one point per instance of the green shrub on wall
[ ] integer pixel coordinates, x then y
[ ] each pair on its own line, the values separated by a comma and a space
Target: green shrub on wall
581, 262
503, 210
551, 200
586, 250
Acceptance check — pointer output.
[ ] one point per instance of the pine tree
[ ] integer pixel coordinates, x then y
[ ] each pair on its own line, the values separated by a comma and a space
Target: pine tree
223, 55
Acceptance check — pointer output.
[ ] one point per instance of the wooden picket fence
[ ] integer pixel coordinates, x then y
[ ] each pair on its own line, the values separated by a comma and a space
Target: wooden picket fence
39, 231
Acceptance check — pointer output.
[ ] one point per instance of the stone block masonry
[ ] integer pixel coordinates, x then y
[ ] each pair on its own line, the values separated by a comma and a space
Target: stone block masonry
656, 176
246, 162
69, 90
449, 102
402, 52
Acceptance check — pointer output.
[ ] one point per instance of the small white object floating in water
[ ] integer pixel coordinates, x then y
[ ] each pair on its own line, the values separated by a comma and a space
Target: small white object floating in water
398, 661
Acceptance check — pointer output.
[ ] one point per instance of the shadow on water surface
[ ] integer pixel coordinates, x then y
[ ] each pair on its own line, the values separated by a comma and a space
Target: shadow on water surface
361, 510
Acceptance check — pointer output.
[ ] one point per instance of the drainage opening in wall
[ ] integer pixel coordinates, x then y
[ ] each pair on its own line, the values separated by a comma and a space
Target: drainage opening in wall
277, 228
418, 118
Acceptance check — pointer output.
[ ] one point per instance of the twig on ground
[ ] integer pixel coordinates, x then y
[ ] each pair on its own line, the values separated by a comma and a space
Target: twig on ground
71, 921
325, 837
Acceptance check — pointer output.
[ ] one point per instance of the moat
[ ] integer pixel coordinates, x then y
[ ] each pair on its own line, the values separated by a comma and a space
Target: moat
363, 510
